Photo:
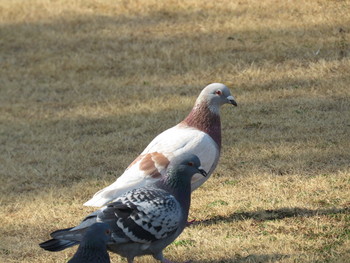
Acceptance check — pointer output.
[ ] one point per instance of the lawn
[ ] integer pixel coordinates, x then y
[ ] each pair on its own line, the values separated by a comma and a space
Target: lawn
86, 84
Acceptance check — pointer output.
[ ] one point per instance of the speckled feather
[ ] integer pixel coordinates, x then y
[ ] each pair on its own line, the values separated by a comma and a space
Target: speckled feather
154, 211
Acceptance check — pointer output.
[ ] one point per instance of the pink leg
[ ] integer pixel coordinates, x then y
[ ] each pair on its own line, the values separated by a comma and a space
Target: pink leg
189, 223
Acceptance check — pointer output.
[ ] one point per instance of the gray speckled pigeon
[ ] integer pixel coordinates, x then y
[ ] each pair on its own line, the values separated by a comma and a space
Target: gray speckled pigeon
93, 247
199, 133
145, 220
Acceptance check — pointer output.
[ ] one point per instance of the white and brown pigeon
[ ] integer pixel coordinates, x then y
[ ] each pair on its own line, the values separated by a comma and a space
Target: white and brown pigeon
143, 221
199, 133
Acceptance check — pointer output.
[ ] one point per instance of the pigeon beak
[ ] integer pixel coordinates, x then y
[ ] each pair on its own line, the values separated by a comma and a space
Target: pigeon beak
202, 172
231, 100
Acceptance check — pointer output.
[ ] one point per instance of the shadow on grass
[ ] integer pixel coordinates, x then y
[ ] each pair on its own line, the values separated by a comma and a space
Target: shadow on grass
265, 215
254, 258
119, 52
101, 148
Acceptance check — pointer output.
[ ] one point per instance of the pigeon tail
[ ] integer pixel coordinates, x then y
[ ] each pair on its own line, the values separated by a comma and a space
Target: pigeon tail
57, 233
57, 244
62, 239
97, 201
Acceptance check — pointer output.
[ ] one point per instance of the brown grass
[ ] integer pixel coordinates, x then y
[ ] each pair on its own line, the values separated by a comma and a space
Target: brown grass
86, 84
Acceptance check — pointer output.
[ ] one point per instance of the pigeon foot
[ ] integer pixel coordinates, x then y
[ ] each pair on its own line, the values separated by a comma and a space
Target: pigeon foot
191, 222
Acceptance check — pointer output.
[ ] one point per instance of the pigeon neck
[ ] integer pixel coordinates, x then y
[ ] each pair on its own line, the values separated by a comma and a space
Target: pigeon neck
180, 187
91, 250
93, 245
205, 119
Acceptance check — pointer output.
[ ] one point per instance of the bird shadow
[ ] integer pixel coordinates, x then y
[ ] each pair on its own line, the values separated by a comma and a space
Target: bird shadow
266, 215
253, 258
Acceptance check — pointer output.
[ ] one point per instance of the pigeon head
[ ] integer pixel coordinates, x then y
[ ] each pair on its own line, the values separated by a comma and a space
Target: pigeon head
215, 95
205, 115
181, 170
98, 233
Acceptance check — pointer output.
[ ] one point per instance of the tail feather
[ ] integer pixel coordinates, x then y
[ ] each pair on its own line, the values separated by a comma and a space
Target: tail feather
104, 196
56, 233
71, 234
57, 244
62, 239
116, 189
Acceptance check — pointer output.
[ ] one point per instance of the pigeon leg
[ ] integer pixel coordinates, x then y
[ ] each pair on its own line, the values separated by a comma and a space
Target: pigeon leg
191, 222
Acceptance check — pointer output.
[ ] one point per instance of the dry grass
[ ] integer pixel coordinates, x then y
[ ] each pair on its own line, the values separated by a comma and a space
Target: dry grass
85, 84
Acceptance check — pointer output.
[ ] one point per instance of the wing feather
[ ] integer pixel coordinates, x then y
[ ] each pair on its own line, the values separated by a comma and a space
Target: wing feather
144, 216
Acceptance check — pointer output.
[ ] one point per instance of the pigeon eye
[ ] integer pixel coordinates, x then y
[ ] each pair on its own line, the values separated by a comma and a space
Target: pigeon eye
218, 92
108, 232
190, 163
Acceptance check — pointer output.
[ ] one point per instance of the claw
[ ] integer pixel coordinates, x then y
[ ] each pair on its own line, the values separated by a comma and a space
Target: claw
191, 222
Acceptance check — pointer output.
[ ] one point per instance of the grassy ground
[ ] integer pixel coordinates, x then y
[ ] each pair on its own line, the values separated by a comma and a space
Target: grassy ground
86, 84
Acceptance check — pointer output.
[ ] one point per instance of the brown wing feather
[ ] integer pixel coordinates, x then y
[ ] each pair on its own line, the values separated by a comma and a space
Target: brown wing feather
151, 163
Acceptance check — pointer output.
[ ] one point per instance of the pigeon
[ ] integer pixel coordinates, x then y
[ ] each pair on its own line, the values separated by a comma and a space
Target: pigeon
145, 220
199, 133
93, 247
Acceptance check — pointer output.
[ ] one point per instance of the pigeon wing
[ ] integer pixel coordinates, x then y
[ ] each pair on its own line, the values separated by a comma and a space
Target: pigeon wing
144, 215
